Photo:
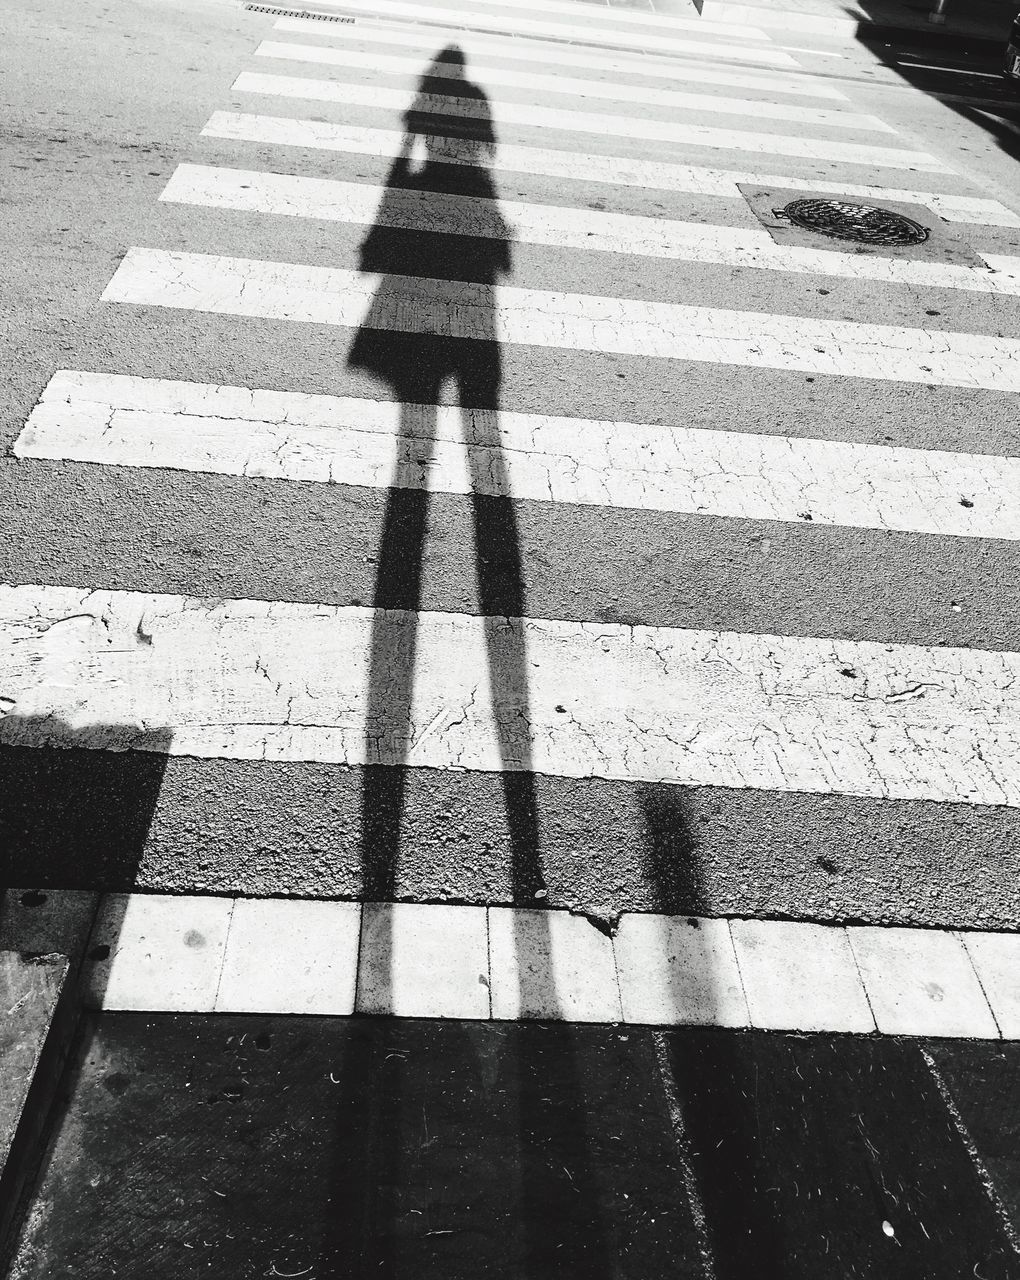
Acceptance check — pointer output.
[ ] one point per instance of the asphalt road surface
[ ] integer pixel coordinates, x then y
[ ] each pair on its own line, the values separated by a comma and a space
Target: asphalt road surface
438, 468
147, 91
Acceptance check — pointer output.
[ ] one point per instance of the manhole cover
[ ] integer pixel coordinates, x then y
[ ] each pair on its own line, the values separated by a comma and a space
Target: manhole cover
847, 220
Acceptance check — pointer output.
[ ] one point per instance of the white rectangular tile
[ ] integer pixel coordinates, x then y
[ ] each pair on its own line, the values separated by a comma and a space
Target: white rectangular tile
678, 969
800, 977
287, 956
423, 961
996, 960
921, 983
551, 964
156, 952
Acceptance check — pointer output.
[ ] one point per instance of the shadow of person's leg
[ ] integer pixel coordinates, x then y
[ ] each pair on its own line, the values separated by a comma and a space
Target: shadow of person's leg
363, 1239
562, 1229
501, 595
394, 644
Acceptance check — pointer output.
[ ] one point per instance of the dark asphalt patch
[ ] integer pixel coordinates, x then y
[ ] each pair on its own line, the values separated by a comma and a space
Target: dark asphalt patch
152, 530
267, 829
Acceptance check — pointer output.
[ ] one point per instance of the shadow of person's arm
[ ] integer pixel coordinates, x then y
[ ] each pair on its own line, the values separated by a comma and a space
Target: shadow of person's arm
375, 255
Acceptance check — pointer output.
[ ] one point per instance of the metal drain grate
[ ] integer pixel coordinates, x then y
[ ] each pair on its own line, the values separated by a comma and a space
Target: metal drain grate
847, 220
298, 13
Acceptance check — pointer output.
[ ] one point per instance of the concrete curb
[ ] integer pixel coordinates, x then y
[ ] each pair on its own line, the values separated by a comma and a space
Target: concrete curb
31, 990
40, 1002
218, 955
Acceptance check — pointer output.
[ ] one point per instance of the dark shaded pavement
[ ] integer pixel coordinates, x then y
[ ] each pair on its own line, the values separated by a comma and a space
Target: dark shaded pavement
212, 1145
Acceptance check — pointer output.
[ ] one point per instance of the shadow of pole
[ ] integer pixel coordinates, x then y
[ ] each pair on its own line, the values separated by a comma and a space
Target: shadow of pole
397, 346
709, 1083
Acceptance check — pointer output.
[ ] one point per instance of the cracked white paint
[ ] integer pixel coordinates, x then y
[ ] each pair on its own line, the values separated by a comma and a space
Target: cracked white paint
578, 322
150, 422
604, 125
577, 166
612, 30
411, 68
363, 204
538, 53
276, 681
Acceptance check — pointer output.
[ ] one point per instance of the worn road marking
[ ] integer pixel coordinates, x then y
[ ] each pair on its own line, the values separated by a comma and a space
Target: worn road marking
575, 166
566, 321
414, 209
616, 126
247, 679
119, 420
538, 53
655, 37
541, 85
956, 71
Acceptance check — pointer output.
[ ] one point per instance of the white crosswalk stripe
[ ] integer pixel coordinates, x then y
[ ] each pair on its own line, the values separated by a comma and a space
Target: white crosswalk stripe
364, 205
604, 125
151, 422
572, 322
521, 13
228, 369
536, 53
607, 701
409, 68
655, 35
285, 131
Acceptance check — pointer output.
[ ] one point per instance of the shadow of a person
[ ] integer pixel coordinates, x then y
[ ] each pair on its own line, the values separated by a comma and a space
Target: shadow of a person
413, 350
416, 365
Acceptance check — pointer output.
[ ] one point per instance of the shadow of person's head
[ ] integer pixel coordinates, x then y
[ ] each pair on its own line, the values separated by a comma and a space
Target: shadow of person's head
448, 104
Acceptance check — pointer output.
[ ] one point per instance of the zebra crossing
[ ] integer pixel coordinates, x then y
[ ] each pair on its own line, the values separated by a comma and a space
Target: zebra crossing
151, 422
660, 355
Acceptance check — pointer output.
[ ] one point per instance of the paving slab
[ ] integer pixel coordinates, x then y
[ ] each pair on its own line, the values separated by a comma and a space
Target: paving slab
437, 1150
676, 969
30, 992
38, 922
423, 961
921, 982
996, 961
800, 977
550, 964
290, 957
982, 1083
157, 952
